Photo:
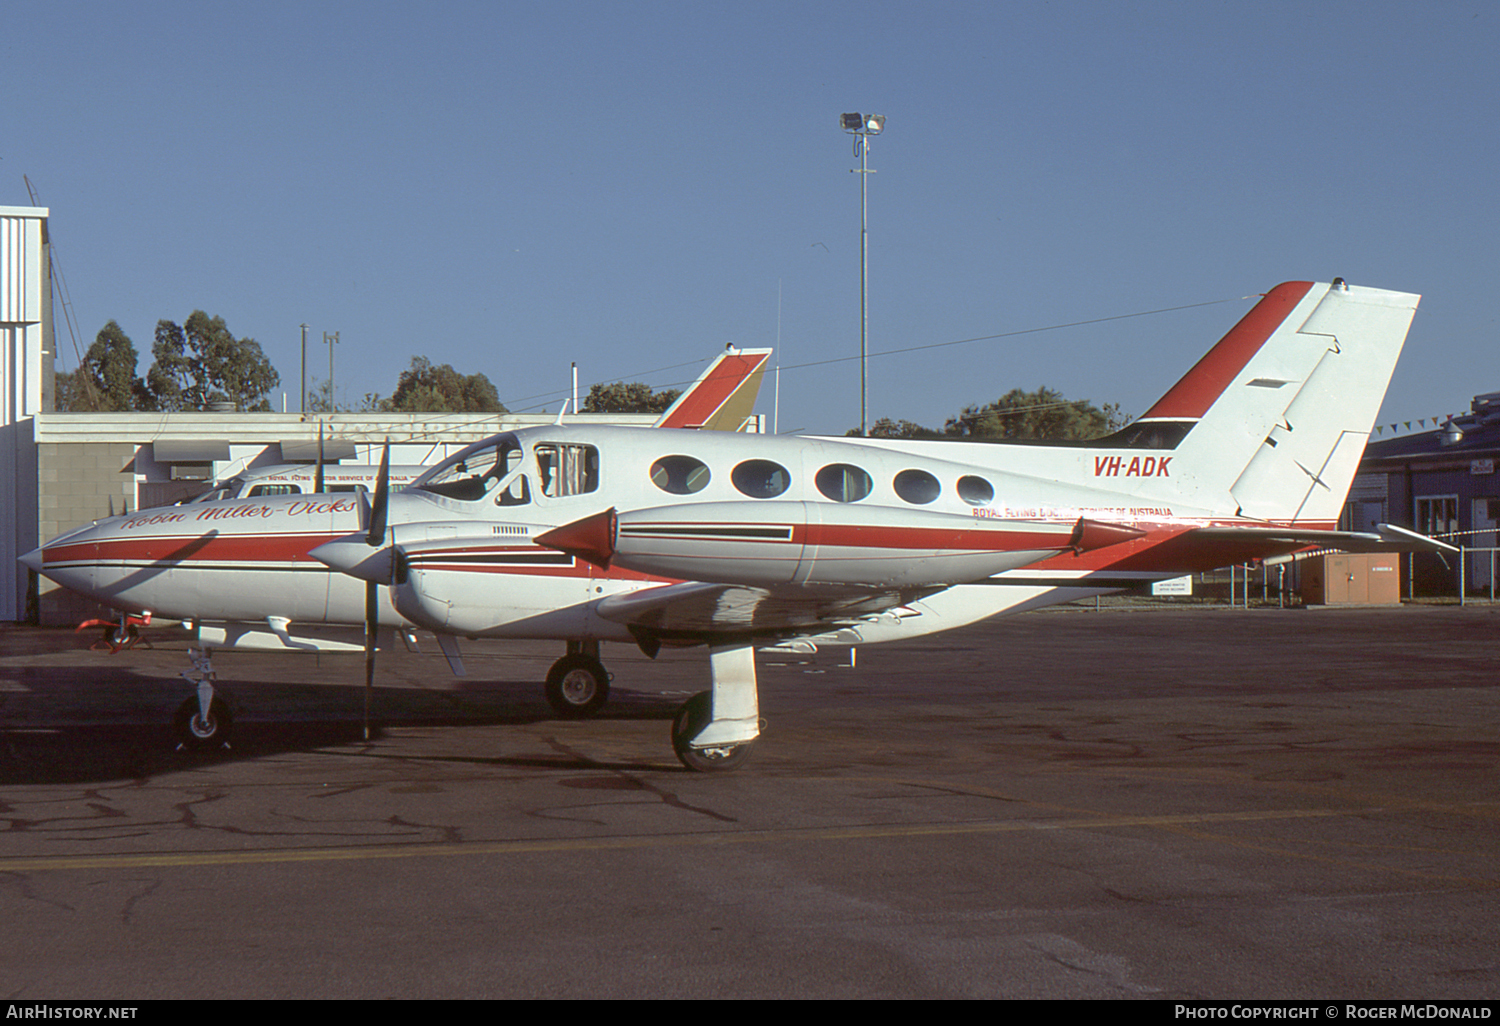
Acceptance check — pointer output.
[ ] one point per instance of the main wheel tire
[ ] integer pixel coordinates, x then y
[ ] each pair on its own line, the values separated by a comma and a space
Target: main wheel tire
116, 637
194, 732
577, 686
690, 720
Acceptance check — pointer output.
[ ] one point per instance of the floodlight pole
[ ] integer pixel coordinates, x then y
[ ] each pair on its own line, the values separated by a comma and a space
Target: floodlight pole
862, 144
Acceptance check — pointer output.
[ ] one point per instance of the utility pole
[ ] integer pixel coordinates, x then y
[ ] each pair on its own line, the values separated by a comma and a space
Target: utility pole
331, 340
303, 407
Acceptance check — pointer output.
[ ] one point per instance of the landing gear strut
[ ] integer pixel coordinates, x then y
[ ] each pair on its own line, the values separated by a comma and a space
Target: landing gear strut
578, 683
120, 634
203, 721
714, 730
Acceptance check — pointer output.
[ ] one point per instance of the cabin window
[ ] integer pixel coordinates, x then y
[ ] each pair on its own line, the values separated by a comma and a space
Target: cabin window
843, 482
761, 479
680, 475
567, 469
275, 489
976, 491
917, 487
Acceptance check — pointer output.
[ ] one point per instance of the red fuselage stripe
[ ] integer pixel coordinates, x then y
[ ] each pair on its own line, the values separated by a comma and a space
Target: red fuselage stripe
268, 548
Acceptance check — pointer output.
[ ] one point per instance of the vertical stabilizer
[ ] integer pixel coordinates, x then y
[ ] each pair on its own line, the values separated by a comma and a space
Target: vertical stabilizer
1275, 417
724, 394
1303, 468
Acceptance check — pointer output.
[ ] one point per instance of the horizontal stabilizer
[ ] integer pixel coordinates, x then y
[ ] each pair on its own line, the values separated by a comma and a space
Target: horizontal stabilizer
1386, 538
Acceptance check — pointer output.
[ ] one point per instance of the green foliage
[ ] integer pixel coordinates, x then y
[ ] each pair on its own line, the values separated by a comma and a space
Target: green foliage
440, 389
1044, 413
320, 401
202, 362
320, 397
636, 397
1017, 414
885, 427
106, 380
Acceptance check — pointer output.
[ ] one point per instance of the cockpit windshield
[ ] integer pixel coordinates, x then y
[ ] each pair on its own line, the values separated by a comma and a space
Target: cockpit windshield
492, 468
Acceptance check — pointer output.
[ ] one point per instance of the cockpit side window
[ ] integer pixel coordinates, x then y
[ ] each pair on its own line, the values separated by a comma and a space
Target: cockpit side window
480, 472
275, 489
567, 469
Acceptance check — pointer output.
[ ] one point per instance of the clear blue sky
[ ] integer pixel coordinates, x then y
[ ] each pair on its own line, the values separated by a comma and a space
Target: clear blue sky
508, 187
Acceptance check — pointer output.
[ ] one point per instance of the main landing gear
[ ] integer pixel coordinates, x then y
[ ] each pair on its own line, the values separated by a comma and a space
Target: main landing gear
711, 732
118, 634
714, 730
578, 683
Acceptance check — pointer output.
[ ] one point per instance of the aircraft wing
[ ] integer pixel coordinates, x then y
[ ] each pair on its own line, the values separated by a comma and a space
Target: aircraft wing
699, 611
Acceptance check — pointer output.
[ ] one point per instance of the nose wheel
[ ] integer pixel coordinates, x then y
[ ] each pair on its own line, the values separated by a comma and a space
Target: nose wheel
203, 721
198, 732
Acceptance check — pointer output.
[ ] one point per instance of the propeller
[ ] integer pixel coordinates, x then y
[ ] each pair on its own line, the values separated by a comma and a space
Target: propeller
318, 474
374, 539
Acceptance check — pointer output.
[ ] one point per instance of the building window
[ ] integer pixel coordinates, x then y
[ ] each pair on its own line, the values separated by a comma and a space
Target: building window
1437, 514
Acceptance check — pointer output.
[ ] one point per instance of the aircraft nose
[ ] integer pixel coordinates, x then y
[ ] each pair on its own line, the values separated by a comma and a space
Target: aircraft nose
32, 560
352, 555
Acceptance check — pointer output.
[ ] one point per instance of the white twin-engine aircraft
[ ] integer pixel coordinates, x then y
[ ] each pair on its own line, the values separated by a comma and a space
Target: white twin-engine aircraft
735, 541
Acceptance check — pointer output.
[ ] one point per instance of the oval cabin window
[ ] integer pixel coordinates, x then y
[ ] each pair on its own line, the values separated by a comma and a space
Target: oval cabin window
843, 482
976, 491
761, 479
680, 475
917, 487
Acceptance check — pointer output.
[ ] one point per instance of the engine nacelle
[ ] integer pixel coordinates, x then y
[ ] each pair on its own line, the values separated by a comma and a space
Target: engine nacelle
820, 543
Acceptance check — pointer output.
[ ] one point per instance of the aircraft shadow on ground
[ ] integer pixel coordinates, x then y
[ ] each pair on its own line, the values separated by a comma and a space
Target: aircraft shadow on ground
65, 742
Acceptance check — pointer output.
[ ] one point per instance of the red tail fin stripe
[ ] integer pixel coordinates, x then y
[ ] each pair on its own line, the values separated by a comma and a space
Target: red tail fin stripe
726, 378
1191, 397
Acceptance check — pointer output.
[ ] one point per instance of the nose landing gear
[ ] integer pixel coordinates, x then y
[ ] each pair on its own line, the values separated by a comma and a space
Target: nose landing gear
203, 721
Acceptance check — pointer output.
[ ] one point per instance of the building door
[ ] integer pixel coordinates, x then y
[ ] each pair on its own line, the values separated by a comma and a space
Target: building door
1437, 516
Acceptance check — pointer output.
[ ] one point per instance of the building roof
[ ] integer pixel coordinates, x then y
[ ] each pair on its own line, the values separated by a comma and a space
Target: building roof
1472, 435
